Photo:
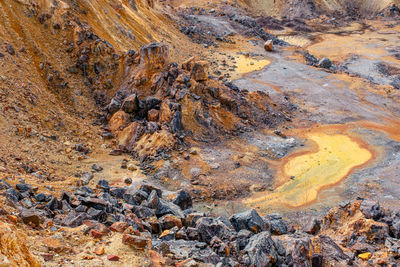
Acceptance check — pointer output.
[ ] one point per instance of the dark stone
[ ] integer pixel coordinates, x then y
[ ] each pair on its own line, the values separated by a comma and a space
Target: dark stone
30, 217
312, 226
316, 260
97, 168
114, 106
41, 197
117, 192
13, 195
209, 227
143, 212
131, 104
332, 254
66, 196
261, 251
104, 185
54, 204
183, 200
23, 187
134, 196
98, 215
74, 219
10, 49
242, 238
372, 210
86, 177
149, 187
249, 220
81, 208
325, 63
169, 208
278, 225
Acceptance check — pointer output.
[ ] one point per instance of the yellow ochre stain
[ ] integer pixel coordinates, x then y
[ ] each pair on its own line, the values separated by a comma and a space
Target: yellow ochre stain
336, 157
247, 64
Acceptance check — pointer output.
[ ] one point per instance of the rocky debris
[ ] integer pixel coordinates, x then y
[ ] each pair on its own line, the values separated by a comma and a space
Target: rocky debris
148, 126
349, 234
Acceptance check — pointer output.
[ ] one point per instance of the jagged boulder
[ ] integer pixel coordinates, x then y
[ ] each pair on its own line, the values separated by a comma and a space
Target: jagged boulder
261, 251
249, 220
208, 227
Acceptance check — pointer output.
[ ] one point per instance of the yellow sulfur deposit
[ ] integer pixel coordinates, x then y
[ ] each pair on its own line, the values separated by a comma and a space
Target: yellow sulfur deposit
248, 64
336, 156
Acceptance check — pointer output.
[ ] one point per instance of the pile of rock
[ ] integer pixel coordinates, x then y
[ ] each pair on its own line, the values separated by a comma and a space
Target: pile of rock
155, 97
147, 218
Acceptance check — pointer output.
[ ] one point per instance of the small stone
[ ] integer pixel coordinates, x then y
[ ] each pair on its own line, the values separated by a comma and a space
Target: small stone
112, 258
365, 256
128, 180
268, 46
132, 167
119, 227
193, 151
137, 242
96, 234
30, 217
152, 115
99, 251
325, 63
47, 256
97, 168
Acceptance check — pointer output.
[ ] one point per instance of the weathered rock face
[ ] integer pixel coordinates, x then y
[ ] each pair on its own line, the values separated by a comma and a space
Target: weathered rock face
154, 56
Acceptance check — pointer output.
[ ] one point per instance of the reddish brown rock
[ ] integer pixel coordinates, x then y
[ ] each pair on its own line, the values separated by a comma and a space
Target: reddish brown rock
166, 113
168, 221
130, 134
99, 251
200, 71
112, 258
118, 121
119, 227
268, 46
137, 242
152, 115
96, 234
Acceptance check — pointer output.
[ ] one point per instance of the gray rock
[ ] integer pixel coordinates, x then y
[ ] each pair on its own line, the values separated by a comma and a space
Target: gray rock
249, 220
183, 200
86, 178
312, 226
372, 209
278, 225
131, 104
325, 63
209, 227
261, 251
30, 217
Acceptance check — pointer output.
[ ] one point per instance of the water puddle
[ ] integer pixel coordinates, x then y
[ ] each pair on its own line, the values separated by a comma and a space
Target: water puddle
308, 172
